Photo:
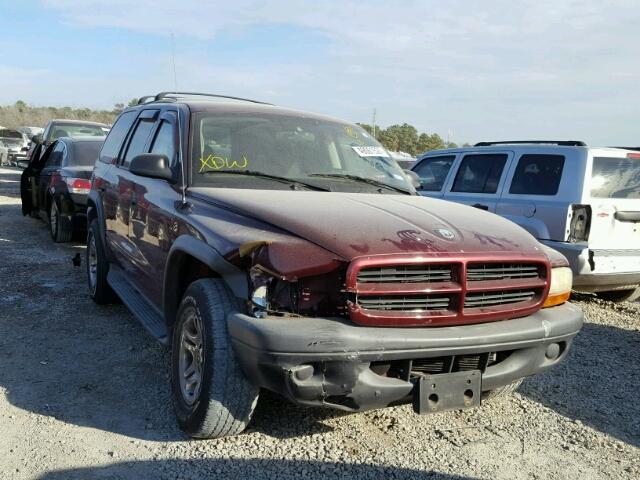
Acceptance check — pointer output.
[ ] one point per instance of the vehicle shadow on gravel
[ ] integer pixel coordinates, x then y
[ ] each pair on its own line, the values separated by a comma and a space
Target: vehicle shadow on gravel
244, 468
597, 384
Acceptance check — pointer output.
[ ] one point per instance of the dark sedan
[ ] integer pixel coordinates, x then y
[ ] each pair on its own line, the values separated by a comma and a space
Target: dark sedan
54, 187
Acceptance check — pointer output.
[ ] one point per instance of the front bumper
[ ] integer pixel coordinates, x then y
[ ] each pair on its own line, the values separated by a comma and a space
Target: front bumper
328, 362
600, 270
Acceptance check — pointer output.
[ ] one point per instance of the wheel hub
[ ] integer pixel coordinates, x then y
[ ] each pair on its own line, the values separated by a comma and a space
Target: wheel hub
191, 358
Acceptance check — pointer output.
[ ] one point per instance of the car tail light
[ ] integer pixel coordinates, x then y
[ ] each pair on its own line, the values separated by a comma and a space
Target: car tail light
634, 156
580, 223
78, 185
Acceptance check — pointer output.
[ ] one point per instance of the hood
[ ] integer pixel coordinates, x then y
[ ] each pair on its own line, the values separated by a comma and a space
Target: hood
356, 224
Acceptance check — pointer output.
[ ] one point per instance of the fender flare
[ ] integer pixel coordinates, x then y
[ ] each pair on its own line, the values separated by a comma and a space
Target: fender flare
187, 245
96, 210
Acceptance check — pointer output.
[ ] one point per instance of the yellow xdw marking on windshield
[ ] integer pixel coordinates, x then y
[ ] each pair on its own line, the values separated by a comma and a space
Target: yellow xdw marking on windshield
213, 162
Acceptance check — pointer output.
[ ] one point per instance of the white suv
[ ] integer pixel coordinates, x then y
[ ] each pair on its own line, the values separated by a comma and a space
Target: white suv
582, 201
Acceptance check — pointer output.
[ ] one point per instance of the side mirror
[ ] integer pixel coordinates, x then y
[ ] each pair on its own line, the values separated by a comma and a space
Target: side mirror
37, 139
413, 178
151, 165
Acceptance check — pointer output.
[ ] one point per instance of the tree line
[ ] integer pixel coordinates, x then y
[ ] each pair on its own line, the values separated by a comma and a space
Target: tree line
405, 138
397, 138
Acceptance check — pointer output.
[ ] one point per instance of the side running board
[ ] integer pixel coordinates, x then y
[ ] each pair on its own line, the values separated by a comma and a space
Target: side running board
145, 312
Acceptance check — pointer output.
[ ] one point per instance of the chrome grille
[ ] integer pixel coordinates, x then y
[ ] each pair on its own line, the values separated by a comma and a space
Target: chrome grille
492, 298
500, 271
405, 273
404, 303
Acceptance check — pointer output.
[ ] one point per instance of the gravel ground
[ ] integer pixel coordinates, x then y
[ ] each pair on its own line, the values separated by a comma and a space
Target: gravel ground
84, 393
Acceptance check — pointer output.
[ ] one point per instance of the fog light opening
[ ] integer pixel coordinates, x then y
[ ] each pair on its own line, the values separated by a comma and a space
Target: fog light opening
553, 351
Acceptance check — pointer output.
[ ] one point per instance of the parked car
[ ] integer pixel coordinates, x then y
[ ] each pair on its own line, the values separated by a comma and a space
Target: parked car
582, 201
55, 186
15, 144
285, 250
64, 128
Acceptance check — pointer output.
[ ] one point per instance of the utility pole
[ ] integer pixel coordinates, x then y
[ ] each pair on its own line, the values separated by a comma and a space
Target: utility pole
374, 123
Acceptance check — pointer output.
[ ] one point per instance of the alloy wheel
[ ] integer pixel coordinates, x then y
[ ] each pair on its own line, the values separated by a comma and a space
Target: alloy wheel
191, 358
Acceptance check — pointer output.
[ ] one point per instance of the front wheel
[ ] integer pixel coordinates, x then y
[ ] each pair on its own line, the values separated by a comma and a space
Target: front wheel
621, 295
211, 396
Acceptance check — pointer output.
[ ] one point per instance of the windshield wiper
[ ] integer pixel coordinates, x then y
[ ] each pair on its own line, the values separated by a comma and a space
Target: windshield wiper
253, 173
356, 178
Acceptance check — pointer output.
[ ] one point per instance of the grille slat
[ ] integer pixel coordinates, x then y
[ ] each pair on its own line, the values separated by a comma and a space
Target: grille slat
405, 273
404, 303
492, 271
484, 299
457, 363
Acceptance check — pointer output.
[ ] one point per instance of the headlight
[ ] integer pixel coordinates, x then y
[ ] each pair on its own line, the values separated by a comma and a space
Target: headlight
560, 290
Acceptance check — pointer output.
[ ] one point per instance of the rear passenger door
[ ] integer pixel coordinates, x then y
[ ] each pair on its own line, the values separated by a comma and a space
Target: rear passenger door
532, 195
478, 179
44, 180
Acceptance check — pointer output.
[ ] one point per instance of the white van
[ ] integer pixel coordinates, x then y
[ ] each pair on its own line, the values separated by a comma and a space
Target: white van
582, 201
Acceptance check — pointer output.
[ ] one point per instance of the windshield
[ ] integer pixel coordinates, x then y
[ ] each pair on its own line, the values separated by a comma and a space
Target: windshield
328, 155
615, 177
77, 130
85, 154
4, 133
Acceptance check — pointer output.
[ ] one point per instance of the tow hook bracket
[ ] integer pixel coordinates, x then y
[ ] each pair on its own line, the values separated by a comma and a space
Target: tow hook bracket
447, 391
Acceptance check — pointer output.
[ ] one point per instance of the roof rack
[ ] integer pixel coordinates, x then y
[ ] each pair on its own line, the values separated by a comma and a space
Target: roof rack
563, 143
174, 95
628, 148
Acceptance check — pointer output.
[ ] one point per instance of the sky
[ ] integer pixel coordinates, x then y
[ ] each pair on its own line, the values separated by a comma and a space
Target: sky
468, 70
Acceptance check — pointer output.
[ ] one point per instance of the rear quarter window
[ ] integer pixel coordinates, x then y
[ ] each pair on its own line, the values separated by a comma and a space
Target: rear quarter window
537, 174
118, 133
614, 177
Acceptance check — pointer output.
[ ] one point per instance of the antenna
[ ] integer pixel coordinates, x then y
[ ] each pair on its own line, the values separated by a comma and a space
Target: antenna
173, 61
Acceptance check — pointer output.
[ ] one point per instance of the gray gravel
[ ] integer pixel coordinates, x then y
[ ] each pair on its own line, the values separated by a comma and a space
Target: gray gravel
84, 394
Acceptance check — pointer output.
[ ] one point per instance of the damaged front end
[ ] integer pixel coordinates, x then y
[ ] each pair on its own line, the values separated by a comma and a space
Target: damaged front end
292, 279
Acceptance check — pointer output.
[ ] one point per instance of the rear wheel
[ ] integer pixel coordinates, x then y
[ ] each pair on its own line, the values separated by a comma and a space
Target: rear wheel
58, 226
211, 396
621, 295
98, 268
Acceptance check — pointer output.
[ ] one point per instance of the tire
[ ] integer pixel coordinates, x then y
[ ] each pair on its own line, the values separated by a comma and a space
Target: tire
621, 295
60, 229
500, 392
98, 268
223, 401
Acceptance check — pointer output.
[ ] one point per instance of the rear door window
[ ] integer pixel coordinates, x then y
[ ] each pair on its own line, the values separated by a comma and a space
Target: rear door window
613, 177
118, 133
480, 173
537, 174
433, 172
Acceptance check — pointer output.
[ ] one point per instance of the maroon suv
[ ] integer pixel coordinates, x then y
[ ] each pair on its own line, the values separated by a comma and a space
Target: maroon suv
285, 250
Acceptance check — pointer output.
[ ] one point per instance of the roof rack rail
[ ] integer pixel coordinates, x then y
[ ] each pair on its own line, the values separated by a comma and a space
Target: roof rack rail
174, 95
628, 148
563, 143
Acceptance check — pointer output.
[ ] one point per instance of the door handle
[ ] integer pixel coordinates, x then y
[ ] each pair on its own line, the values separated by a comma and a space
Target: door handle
480, 206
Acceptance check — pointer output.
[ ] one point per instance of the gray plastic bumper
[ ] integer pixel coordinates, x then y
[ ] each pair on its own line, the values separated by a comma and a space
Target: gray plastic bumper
325, 361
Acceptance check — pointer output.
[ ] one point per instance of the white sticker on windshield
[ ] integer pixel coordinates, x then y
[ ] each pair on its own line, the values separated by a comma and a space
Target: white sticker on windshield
370, 151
